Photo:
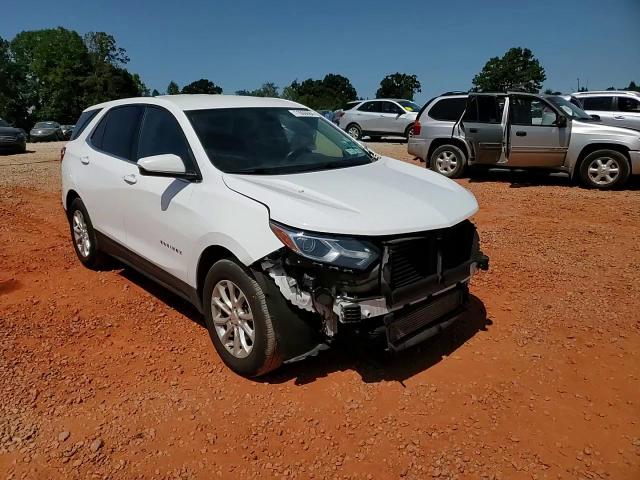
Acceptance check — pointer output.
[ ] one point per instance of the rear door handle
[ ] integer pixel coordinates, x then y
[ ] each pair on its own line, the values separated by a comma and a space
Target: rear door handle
618, 117
130, 179
473, 130
84, 160
521, 133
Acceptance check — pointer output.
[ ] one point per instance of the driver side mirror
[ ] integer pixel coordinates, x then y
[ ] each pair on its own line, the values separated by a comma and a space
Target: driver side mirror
561, 121
165, 165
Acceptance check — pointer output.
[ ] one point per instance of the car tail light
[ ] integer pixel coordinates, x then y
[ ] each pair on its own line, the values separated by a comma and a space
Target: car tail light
62, 152
417, 127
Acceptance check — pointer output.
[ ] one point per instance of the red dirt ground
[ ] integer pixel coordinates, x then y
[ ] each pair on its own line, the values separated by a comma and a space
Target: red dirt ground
105, 375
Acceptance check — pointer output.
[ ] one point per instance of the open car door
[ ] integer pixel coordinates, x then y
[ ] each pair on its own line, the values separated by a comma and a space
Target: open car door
484, 127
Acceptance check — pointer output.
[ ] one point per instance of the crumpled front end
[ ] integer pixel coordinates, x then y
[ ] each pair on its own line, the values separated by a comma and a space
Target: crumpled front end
417, 286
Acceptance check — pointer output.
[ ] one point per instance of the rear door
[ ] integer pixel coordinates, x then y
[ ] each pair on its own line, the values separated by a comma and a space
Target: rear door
537, 137
392, 118
102, 166
627, 112
484, 127
157, 216
367, 115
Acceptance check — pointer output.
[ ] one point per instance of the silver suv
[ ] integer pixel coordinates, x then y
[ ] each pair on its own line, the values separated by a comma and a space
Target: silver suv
523, 130
616, 108
383, 117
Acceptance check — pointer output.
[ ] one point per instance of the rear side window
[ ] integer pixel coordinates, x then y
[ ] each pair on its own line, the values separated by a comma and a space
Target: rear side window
390, 107
627, 104
161, 133
349, 106
448, 109
603, 104
83, 121
117, 131
484, 109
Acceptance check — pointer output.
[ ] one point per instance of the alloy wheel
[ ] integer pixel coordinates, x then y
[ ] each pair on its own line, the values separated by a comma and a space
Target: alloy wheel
603, 171
446, 162
81, 234
232, 318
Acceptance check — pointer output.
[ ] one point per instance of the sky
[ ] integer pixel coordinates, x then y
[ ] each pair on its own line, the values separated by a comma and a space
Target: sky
242, 44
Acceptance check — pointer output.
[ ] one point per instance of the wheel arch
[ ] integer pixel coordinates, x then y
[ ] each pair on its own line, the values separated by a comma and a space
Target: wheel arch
593, 147
208, 257
439, 142
69, 198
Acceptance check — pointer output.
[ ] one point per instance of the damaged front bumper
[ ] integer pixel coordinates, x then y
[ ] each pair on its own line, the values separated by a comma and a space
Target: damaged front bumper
419, 286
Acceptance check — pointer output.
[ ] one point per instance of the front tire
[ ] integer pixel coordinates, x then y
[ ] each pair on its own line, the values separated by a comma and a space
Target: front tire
238, 320
604, 169
83, 235
448, 160
354, 130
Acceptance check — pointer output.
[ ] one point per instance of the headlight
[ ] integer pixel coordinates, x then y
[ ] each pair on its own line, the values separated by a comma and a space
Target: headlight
343, 252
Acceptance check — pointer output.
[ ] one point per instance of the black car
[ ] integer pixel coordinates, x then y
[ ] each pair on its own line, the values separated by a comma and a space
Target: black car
46, 131
67, 130
12, 139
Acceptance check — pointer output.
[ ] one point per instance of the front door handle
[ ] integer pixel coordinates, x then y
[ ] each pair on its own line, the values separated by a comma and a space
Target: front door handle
130, 179
473, 130
521, 133
84, 160
618, 117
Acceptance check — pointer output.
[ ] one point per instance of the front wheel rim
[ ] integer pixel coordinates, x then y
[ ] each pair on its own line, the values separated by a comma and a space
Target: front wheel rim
81, 234
232, 318
603, 171
446, 162
354, 132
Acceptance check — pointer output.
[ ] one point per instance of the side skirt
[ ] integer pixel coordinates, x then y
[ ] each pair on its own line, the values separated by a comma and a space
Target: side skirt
149, 270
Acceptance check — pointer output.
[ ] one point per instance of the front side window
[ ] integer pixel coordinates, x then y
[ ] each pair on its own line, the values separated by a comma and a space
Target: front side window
570, 108
390, 107
448, 109
83, 121
160, 134
628, 104
116, 132
532, 111
274, 141
601, 104
372, 107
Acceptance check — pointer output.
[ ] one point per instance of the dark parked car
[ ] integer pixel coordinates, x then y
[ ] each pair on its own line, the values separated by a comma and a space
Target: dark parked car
67, 130
46, 132
11, 138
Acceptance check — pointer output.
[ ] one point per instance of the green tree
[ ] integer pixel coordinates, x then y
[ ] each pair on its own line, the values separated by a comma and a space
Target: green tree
202, 86
173, 88
143, 90
102, 48
633, 87
329, 93
155, 93
268, 89
53, 62
399, 85
517, 70
12, 87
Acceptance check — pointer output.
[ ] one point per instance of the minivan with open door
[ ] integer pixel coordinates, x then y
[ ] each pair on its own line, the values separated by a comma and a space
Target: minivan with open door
523, 130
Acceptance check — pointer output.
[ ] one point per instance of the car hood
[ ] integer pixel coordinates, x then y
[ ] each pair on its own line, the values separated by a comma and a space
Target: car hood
9, 131
385, 197
600, 130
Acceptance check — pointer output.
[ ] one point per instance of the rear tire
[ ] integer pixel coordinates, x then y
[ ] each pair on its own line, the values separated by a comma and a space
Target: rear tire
604, 169
83, 235
448, 160
238, 320
354, 130
408, 132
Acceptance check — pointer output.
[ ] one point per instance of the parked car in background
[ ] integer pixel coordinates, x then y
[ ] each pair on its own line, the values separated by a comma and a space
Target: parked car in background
523, 130
616, 108
46, 132
12, 139
311, 236
383, 117
67, 130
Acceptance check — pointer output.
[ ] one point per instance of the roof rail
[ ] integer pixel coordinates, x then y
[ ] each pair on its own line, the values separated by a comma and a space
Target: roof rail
454, 92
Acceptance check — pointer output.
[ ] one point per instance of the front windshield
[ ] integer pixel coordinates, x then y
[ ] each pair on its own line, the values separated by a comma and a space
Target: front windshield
272, 141
569, 108
45, 125
409, 106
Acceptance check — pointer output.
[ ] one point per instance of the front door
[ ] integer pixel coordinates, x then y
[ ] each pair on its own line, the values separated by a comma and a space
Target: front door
367, 115
538, 133
391, 119
484, 128
157, 214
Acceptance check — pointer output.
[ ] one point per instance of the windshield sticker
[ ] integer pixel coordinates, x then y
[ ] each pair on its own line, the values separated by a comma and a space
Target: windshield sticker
409, 109
352, 151
304, 113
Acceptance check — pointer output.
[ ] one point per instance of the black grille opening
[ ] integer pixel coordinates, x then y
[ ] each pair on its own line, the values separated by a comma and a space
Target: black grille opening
414, 259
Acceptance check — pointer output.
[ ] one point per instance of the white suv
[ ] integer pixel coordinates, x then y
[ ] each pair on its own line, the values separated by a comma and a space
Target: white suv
384, 117
280, 228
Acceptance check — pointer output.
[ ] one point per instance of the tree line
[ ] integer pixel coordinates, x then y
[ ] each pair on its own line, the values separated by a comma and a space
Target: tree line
54, 74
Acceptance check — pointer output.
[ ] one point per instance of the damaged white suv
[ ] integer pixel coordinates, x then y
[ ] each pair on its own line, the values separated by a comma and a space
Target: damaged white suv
274, 223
